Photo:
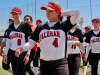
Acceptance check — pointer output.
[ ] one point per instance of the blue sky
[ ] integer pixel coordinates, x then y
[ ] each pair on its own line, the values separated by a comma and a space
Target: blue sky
28, 7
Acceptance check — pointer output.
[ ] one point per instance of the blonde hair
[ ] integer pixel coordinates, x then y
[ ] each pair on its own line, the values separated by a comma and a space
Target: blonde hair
59, 6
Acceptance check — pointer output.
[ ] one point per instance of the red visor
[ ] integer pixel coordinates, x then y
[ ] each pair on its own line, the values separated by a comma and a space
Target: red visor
15, 10
96, 19
51, 7
38, 21
87, 27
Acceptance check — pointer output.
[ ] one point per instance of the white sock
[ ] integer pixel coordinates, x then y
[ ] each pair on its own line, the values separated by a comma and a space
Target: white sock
35, 70
84, 69
10, 70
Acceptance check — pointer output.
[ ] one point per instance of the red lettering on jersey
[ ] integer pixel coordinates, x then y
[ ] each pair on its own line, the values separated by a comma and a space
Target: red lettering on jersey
58, 33
55, 34
49, 34
95, 40
44, 35
16, 35
72, 38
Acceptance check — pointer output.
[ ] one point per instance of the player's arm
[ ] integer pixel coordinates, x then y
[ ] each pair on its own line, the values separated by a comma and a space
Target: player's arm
87, 51
8, 43
87, 40
81, 43
74, 15
70, 43
70, 22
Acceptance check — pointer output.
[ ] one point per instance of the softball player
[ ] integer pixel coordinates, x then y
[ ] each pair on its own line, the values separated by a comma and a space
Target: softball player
29, 20
93, 39
52, 37
38, 22
17, 35
4, 38
36, 59
74, 45
87, 29
6, 66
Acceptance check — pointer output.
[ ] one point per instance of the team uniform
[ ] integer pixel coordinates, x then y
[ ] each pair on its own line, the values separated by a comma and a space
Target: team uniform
32, 55
93, 38
85, 46
17, 36
6, 66
73, 51
52, 55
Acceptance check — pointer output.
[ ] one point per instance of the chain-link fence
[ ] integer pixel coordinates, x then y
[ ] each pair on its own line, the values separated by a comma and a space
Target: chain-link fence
88, 9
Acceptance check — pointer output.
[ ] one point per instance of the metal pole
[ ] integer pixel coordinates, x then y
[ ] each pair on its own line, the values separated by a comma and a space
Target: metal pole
35, 10
32, 9
67, 4
27, 8
91, 9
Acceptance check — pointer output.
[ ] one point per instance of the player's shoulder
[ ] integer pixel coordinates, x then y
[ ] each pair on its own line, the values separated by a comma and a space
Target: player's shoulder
42, 24
78, 29
10, 26
90, 32
24, 23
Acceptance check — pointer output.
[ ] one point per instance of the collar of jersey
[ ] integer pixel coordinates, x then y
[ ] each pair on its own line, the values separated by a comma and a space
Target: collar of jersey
57, 23
72, 31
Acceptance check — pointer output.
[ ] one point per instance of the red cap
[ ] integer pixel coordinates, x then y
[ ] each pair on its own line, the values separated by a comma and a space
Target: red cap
39, 21
87, 27
51, 7
96, 19
16, 10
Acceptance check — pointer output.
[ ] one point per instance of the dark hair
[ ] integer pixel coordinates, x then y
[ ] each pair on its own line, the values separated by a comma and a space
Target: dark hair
29, 17
11, 19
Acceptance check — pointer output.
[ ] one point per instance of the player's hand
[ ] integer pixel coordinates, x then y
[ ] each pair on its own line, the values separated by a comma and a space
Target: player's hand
26, 59
85, 59
5, 59
82, 54
77, 43
18, 52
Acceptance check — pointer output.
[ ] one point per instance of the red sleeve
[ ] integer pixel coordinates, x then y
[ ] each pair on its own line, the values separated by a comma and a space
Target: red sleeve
33, 27
35, 48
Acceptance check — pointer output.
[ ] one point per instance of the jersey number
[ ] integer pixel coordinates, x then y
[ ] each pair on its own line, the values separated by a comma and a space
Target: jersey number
55, 42
73, 47
19, 42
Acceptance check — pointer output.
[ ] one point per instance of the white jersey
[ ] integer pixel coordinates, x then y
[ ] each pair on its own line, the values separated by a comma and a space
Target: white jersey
52, 39
94, 40
17, 36
72, 37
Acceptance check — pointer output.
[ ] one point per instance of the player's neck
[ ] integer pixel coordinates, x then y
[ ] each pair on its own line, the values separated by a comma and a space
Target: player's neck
54, 20
96, 29
17, 22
